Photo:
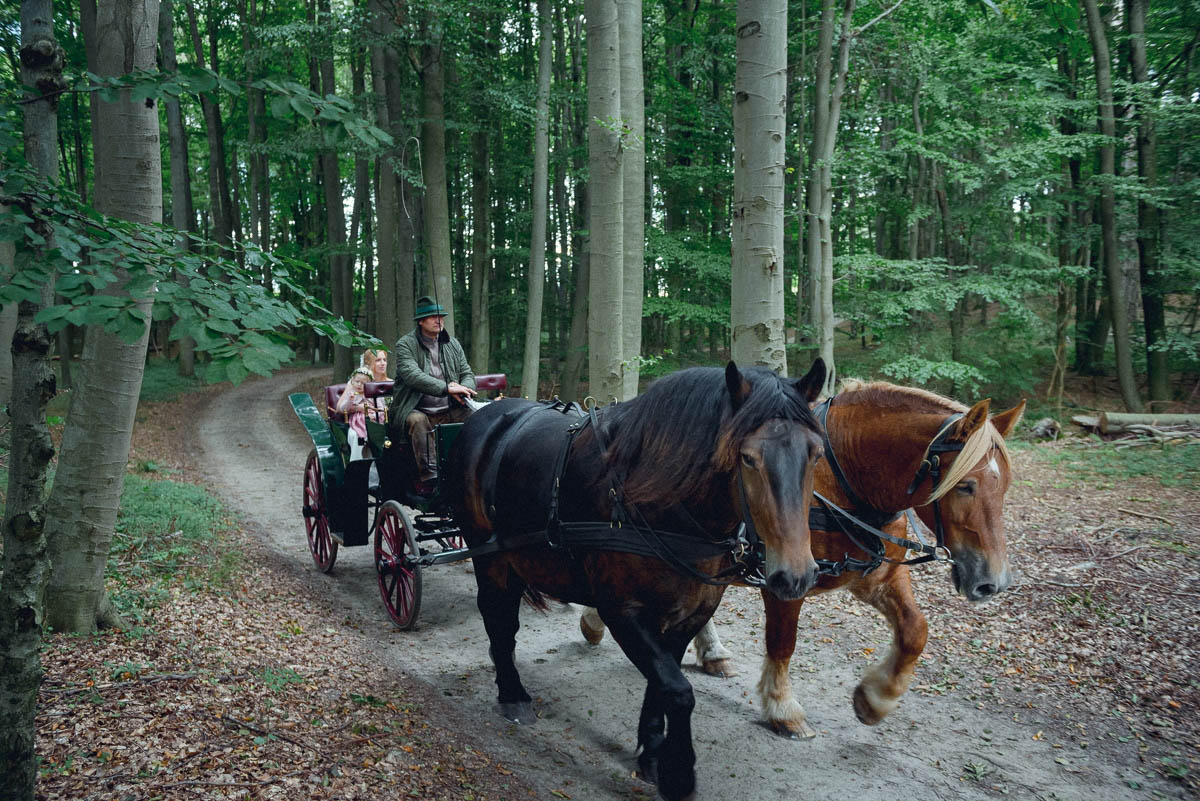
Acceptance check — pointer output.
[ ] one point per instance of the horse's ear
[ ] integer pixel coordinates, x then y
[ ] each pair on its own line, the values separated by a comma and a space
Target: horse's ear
971, 421
739, 387
813, 382
1005, 422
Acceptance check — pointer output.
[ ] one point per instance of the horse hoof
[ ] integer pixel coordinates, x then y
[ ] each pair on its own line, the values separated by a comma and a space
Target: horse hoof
593, 636
647, 769
863, 709
520, 713
721, 668
793, 730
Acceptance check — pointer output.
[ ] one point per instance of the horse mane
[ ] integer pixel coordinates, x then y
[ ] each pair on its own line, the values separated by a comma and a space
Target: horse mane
671, 443
986, 437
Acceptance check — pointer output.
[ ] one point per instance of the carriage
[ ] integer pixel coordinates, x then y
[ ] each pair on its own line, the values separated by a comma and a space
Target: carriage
354, 502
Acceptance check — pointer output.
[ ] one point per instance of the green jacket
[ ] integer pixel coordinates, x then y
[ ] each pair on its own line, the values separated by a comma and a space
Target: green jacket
412, 373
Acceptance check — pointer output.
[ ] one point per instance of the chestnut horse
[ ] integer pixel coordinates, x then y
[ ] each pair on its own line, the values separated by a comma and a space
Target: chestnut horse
625, 489
879, 438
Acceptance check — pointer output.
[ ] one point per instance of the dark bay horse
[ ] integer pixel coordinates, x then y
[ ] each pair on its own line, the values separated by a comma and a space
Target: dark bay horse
880, 435
681, 468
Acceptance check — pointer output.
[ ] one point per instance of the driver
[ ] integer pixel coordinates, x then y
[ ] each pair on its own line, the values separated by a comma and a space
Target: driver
433, 384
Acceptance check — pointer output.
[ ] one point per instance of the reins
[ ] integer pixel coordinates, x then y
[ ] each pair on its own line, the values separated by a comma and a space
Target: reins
868, 535
627, 529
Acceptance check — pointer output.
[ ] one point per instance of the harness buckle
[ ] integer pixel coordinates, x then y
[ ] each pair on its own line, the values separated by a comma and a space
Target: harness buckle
942, 549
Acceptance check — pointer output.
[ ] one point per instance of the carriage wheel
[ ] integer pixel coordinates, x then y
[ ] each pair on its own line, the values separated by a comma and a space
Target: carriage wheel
399, 582
321, 544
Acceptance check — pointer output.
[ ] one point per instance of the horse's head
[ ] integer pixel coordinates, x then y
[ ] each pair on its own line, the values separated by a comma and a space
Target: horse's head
769, 447
969, 498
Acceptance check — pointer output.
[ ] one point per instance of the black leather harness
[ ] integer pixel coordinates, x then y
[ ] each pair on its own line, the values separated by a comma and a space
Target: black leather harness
627, 530
862, 524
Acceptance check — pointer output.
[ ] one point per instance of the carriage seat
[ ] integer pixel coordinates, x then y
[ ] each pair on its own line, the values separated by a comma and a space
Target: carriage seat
381, 389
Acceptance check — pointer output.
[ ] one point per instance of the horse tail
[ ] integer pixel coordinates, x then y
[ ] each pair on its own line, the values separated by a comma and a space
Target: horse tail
536, 599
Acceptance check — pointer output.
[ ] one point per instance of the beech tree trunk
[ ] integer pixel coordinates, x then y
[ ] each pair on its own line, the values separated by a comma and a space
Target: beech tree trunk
386, 205
335, 222
633, 188
577, 336
182, 214
541, 185
759, 100
26, 565
433, 146
220, 202
827, 109
1153, 302
82, 510
606, 217
1108, 223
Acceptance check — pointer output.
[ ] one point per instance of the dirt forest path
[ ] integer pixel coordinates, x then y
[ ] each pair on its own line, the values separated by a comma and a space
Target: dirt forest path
948, 746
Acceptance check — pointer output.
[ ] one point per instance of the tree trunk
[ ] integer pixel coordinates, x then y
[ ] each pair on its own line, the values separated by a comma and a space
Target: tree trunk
1153, 290
541, 177
1108, 225
82, 509
335, 221
386, 207
606, 218
633, 188
220, 202
577, 337
26, 563
758, 176
827, 105
433, 135
182, 214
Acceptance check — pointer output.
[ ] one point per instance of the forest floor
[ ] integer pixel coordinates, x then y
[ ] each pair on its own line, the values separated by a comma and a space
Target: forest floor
1078, 683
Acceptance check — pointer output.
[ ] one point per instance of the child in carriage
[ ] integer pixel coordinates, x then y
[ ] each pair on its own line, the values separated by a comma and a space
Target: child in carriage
354, 404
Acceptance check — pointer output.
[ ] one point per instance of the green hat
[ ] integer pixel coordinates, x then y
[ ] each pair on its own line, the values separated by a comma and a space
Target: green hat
426, 307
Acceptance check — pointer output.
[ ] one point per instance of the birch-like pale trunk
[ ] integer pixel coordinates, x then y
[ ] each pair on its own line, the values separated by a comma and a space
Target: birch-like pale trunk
433, 145
1108, 225
26, 564
633, 186
541, 187
82, 509
606, 201
759, 98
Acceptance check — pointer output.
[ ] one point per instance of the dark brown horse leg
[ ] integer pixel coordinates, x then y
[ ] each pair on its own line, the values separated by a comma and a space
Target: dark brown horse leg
668, 760
499, 604
783, 712
878, 692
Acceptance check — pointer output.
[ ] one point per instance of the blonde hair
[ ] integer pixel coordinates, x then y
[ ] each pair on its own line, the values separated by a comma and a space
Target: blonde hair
977, 446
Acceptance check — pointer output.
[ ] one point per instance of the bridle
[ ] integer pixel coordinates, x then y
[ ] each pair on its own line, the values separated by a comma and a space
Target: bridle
868, 535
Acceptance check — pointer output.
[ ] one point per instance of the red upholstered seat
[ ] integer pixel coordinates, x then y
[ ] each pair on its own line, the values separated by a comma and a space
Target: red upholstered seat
332, 393
491, 381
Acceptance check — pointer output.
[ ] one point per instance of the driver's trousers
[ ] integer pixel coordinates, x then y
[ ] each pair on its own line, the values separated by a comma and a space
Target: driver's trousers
420, 433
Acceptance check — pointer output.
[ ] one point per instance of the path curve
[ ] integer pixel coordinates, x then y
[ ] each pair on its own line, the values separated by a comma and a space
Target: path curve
252, 452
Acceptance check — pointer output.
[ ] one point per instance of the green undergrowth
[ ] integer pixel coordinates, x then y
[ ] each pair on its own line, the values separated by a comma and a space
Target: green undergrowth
1171, 465
167, 532
162, 381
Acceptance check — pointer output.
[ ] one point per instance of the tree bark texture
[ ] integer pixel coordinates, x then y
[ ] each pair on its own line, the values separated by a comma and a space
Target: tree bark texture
1108, 224
91, 470
182, 213
759, 99
606, 196
433, 145
220, 202
26, 564
1153, 301
541, 186
340, 283
633, 187
386, 207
